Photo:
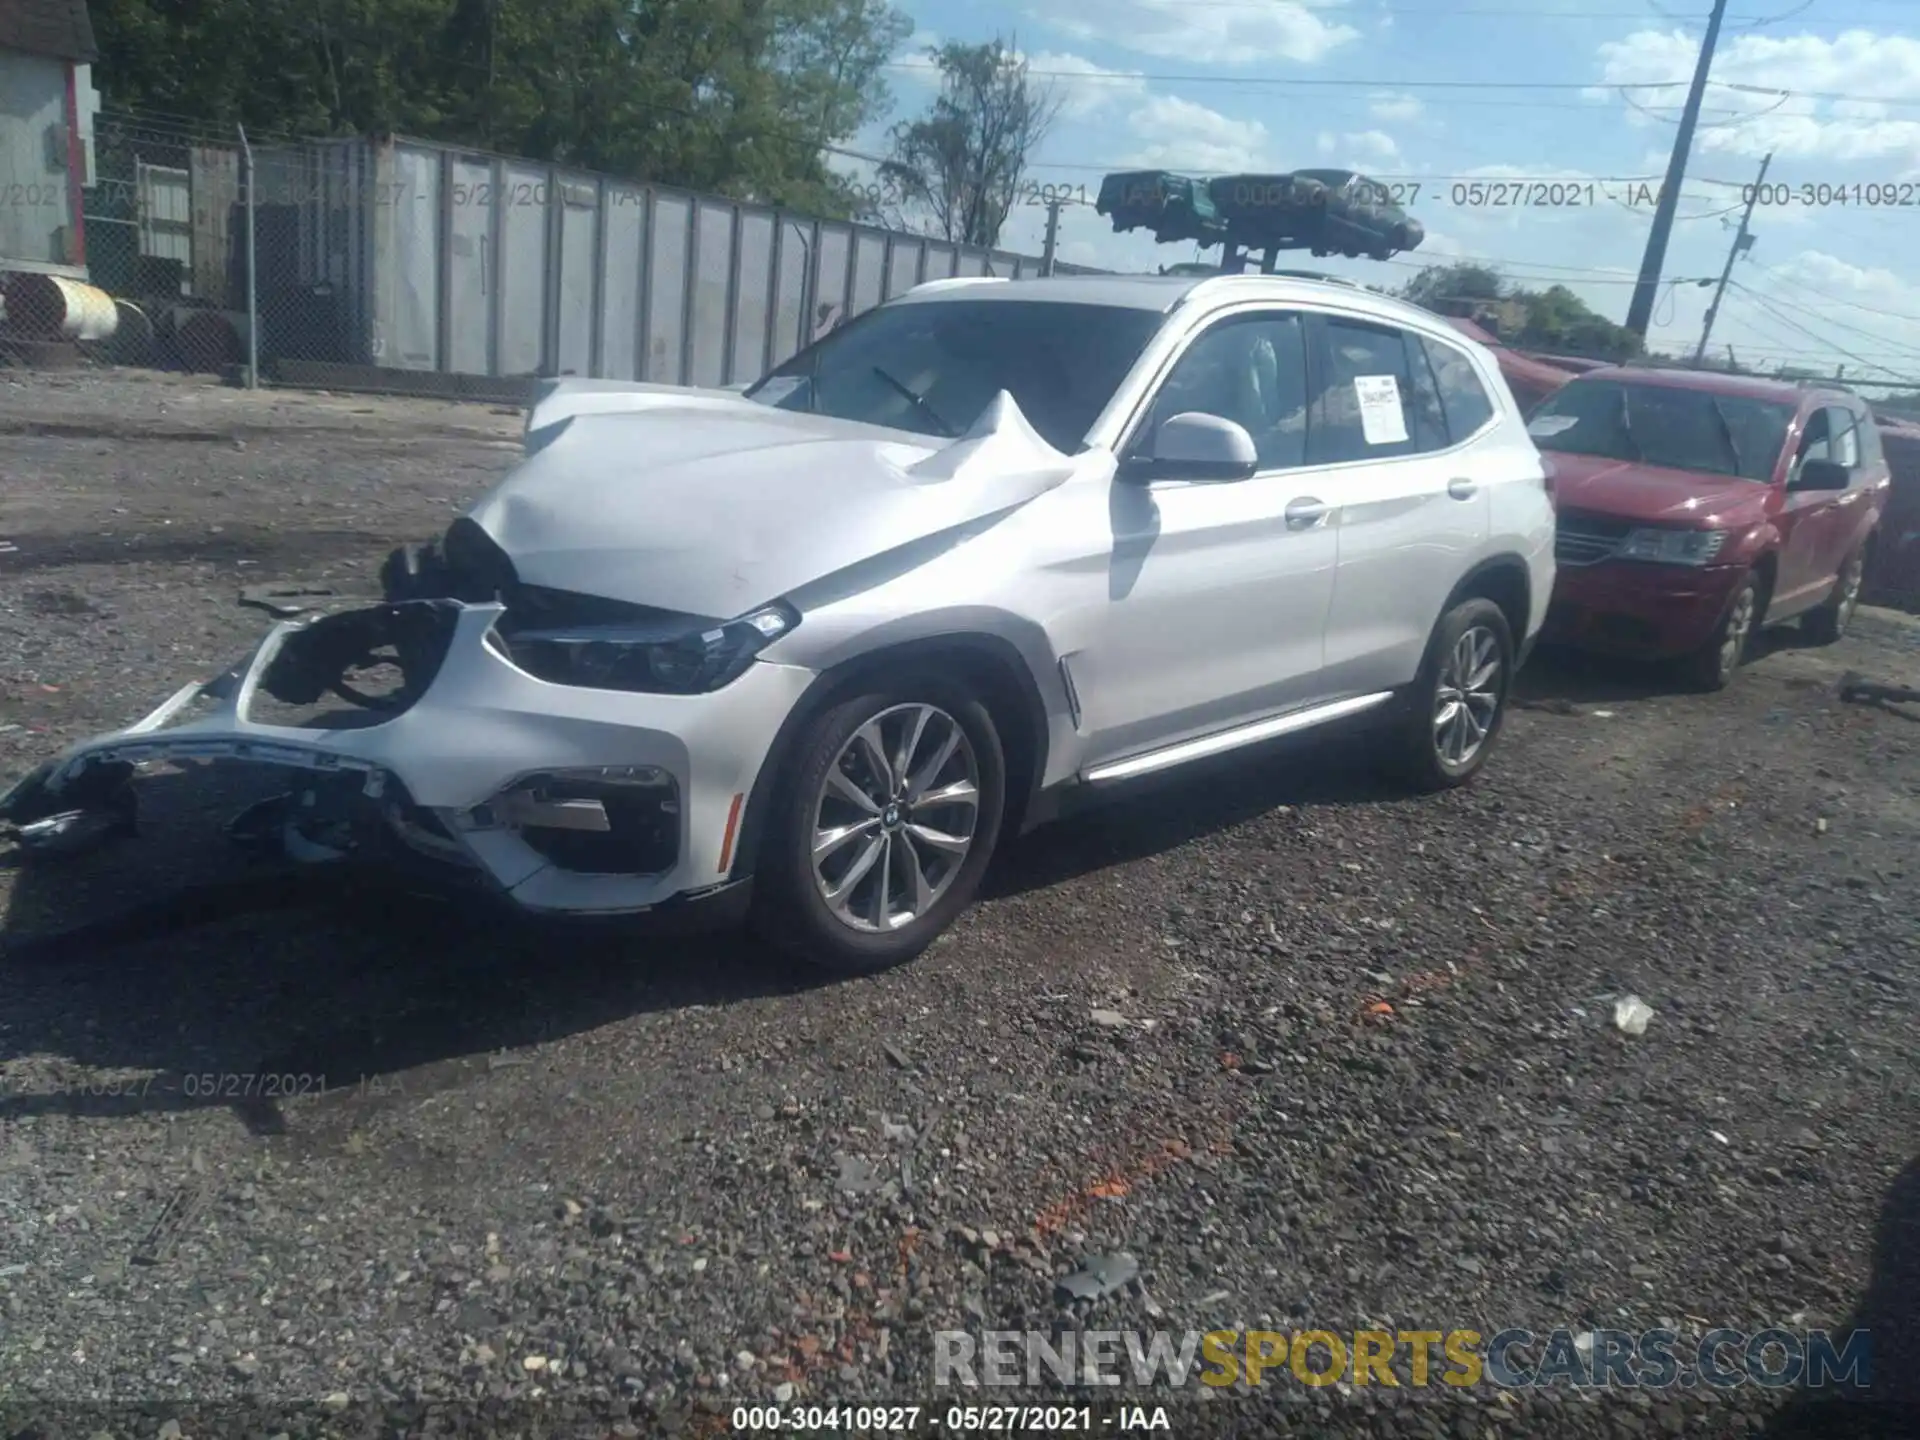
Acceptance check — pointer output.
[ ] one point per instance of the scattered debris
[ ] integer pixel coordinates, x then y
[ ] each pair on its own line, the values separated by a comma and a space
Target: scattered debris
1820, 826
857, 1176
1856, 689
1099, 1276
169, 1224
896, 1055
1631, 1014
1109, 1019
280, 601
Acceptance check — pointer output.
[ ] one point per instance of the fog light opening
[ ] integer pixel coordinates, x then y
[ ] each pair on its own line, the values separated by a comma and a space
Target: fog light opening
606, 820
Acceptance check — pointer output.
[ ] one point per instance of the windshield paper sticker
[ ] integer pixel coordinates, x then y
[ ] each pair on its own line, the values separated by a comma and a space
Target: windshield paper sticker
1545, 425
1381, 419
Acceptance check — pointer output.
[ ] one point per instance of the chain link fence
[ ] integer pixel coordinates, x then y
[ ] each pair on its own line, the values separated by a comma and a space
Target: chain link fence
389, 263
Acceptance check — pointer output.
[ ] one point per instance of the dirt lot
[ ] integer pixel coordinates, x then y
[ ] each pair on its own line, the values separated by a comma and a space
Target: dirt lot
1365, 1071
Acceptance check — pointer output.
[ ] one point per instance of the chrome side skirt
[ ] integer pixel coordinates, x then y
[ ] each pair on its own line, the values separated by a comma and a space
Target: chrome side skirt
1222, 741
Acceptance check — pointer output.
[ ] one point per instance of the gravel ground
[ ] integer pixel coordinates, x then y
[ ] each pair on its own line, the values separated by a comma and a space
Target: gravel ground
1314, 1054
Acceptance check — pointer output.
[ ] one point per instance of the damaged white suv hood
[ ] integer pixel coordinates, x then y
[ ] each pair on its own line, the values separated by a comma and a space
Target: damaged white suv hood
709, 504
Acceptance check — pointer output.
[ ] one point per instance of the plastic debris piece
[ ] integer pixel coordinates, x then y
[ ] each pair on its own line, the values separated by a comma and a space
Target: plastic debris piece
1631, 1014
1100, 1276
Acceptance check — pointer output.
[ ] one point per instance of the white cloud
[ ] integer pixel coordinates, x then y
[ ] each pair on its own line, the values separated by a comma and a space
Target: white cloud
1360, 150
1082, 87
1750, 122
1391, 108
1182, 135
1878, 289
1871, 311
1229, 34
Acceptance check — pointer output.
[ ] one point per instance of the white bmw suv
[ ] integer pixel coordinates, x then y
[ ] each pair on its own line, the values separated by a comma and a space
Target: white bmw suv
807, 654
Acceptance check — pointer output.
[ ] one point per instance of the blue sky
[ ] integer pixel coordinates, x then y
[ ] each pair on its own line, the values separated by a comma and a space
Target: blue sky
1440, 96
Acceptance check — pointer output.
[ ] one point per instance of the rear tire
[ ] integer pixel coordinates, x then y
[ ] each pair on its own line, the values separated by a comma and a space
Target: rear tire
1458, 703
1828, 623
1713, 665
869, 859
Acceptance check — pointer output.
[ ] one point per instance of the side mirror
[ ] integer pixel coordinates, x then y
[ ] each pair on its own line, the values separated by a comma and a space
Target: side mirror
1822, 475
1194, 446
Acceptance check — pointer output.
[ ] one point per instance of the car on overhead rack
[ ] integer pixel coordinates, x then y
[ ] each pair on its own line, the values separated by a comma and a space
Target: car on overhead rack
807, 655
1359, 216
1330, 212
1176, 208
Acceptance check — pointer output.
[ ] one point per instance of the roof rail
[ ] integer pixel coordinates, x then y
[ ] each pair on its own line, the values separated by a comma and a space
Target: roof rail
1316, 275
954, 282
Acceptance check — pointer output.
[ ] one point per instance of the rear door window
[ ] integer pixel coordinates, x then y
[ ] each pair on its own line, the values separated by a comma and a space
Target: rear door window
1465, 399
1429, 411
1364, 409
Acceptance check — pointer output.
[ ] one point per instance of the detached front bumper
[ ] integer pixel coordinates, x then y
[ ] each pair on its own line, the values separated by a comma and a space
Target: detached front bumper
1638, 609
563, 799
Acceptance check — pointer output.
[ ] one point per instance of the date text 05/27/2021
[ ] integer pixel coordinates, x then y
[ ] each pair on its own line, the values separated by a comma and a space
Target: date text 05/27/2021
950, 1420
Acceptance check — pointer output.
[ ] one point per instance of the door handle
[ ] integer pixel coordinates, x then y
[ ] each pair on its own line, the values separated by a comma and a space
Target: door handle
1462, 489
1305, 513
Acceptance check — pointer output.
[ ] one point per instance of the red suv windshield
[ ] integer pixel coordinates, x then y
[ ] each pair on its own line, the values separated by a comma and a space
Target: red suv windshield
1666, 425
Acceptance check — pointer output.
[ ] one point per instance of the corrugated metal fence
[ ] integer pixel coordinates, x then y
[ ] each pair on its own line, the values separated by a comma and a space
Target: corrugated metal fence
419, 257
415, 257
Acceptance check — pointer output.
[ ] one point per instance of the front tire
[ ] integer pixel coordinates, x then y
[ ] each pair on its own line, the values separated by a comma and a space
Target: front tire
1828, 623
1713, 666
886, 829
1459, 701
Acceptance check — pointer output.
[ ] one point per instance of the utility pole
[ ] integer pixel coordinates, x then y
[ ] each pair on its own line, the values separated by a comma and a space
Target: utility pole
1053, 236
1742, 242
1640, 312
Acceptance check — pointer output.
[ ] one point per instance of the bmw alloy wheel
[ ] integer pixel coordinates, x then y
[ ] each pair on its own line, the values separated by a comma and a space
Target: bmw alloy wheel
895, 817
1467, 699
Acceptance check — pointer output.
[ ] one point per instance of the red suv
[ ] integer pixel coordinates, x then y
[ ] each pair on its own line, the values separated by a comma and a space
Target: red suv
1695, 508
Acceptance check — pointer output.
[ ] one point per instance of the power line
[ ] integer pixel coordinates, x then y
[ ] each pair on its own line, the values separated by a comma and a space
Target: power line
1439, 12
1817, 339
1827, 320
1584, 275
1350, 82
1838, 299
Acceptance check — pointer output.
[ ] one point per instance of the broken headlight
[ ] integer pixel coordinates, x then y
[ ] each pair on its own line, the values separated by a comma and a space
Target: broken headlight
647, 658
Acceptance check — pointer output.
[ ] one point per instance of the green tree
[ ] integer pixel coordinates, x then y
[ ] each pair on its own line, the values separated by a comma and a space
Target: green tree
736, 96
961, 163
1438, 287
1551, 319
1558, 319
